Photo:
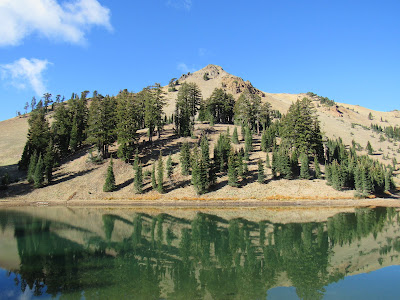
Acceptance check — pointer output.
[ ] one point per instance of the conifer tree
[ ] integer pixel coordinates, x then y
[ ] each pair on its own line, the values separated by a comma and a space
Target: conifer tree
136, 160
367, 182
139, 179
32, 167
160, 174
369, 148
317, 168
232, 169
245, 170
274, 163
267, 162
205, 150
169, 166
358, 183
304, 167
235, 138
185, 158
38, 176
240, 164
153, 177
294, 164
248, 140
388, 181
49, 162
109, 185
261, 175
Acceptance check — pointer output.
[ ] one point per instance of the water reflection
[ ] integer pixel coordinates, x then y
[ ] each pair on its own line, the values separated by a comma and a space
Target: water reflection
161, 256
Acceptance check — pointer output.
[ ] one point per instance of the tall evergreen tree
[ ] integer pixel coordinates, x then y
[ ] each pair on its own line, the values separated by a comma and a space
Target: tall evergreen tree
300, 129
235, 137
261, 174
102, 123
160, 174
169, 166
138, 181
220, 106
38, 176
187, 105
185, 158
304, 166
317, 168
109, 185
248, 140
153, 177
369, 148
61, 128
232, 169
267, 161
32, 167
49, 162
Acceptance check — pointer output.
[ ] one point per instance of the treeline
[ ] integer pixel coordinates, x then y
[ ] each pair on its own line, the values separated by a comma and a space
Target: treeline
323, 100
346, 169
390, 131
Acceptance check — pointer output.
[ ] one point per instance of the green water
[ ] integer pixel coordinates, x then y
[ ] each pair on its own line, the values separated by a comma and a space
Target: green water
127, 254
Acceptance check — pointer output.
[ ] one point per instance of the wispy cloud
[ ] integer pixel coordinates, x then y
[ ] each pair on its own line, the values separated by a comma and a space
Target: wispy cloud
180, 4
66, 22
24, 72
185, 69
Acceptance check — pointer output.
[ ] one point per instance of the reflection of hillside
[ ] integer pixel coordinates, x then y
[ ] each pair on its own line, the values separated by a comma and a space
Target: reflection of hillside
159, 255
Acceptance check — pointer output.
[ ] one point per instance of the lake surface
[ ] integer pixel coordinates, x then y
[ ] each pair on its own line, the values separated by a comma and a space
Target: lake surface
82, 253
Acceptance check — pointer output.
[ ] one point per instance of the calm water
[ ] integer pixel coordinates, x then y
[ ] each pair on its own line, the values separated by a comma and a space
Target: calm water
126, 254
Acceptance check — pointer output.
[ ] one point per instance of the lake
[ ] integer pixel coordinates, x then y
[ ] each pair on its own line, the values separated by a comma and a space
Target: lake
91, 253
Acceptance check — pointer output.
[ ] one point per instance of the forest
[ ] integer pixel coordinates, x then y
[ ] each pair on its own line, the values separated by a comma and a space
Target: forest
293, 144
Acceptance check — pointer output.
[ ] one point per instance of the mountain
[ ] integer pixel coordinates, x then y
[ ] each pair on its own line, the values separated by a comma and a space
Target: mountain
76, 178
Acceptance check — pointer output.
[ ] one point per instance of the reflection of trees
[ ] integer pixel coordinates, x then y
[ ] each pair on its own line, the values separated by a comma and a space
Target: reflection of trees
208, 254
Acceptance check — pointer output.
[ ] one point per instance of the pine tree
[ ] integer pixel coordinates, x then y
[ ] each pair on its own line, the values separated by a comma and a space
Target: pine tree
268, 163
32, 167
38, 176
304, 167
358, 184
49, 162
274, 164
205, 150
317, 168
153, 177
136, 160
261, 175
245, 170
369, 148
185, 158
235, 138
240, 164
160, 174
366, 180
169, 166
388, 181
232, 169
109, 185
248, 140
139, 179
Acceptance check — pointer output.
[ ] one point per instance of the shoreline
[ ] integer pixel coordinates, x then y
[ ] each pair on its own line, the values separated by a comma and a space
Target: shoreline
207, 203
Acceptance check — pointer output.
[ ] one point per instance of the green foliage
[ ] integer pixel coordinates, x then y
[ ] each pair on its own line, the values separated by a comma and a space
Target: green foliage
160, 174
5, 181
153, 177
219, 107
61, 129
300, 129
205, 76
101, 124
187, 105
235, 138
317, 168
261, 174
221, 152
138, 181
79, 113
267, 161
38, 137
169, 166
248, 140
201, 169
38, 175
369, 148
185, 158
304, 166
49, 162
232, 169
32, 167
109, 185
268, 139
370, 116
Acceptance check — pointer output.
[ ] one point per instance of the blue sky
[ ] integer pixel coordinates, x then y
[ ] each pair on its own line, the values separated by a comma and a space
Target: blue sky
348, 51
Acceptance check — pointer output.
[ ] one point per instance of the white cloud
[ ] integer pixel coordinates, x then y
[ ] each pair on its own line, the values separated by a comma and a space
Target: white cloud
180, 4
185, 69
25, 72
67, 22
